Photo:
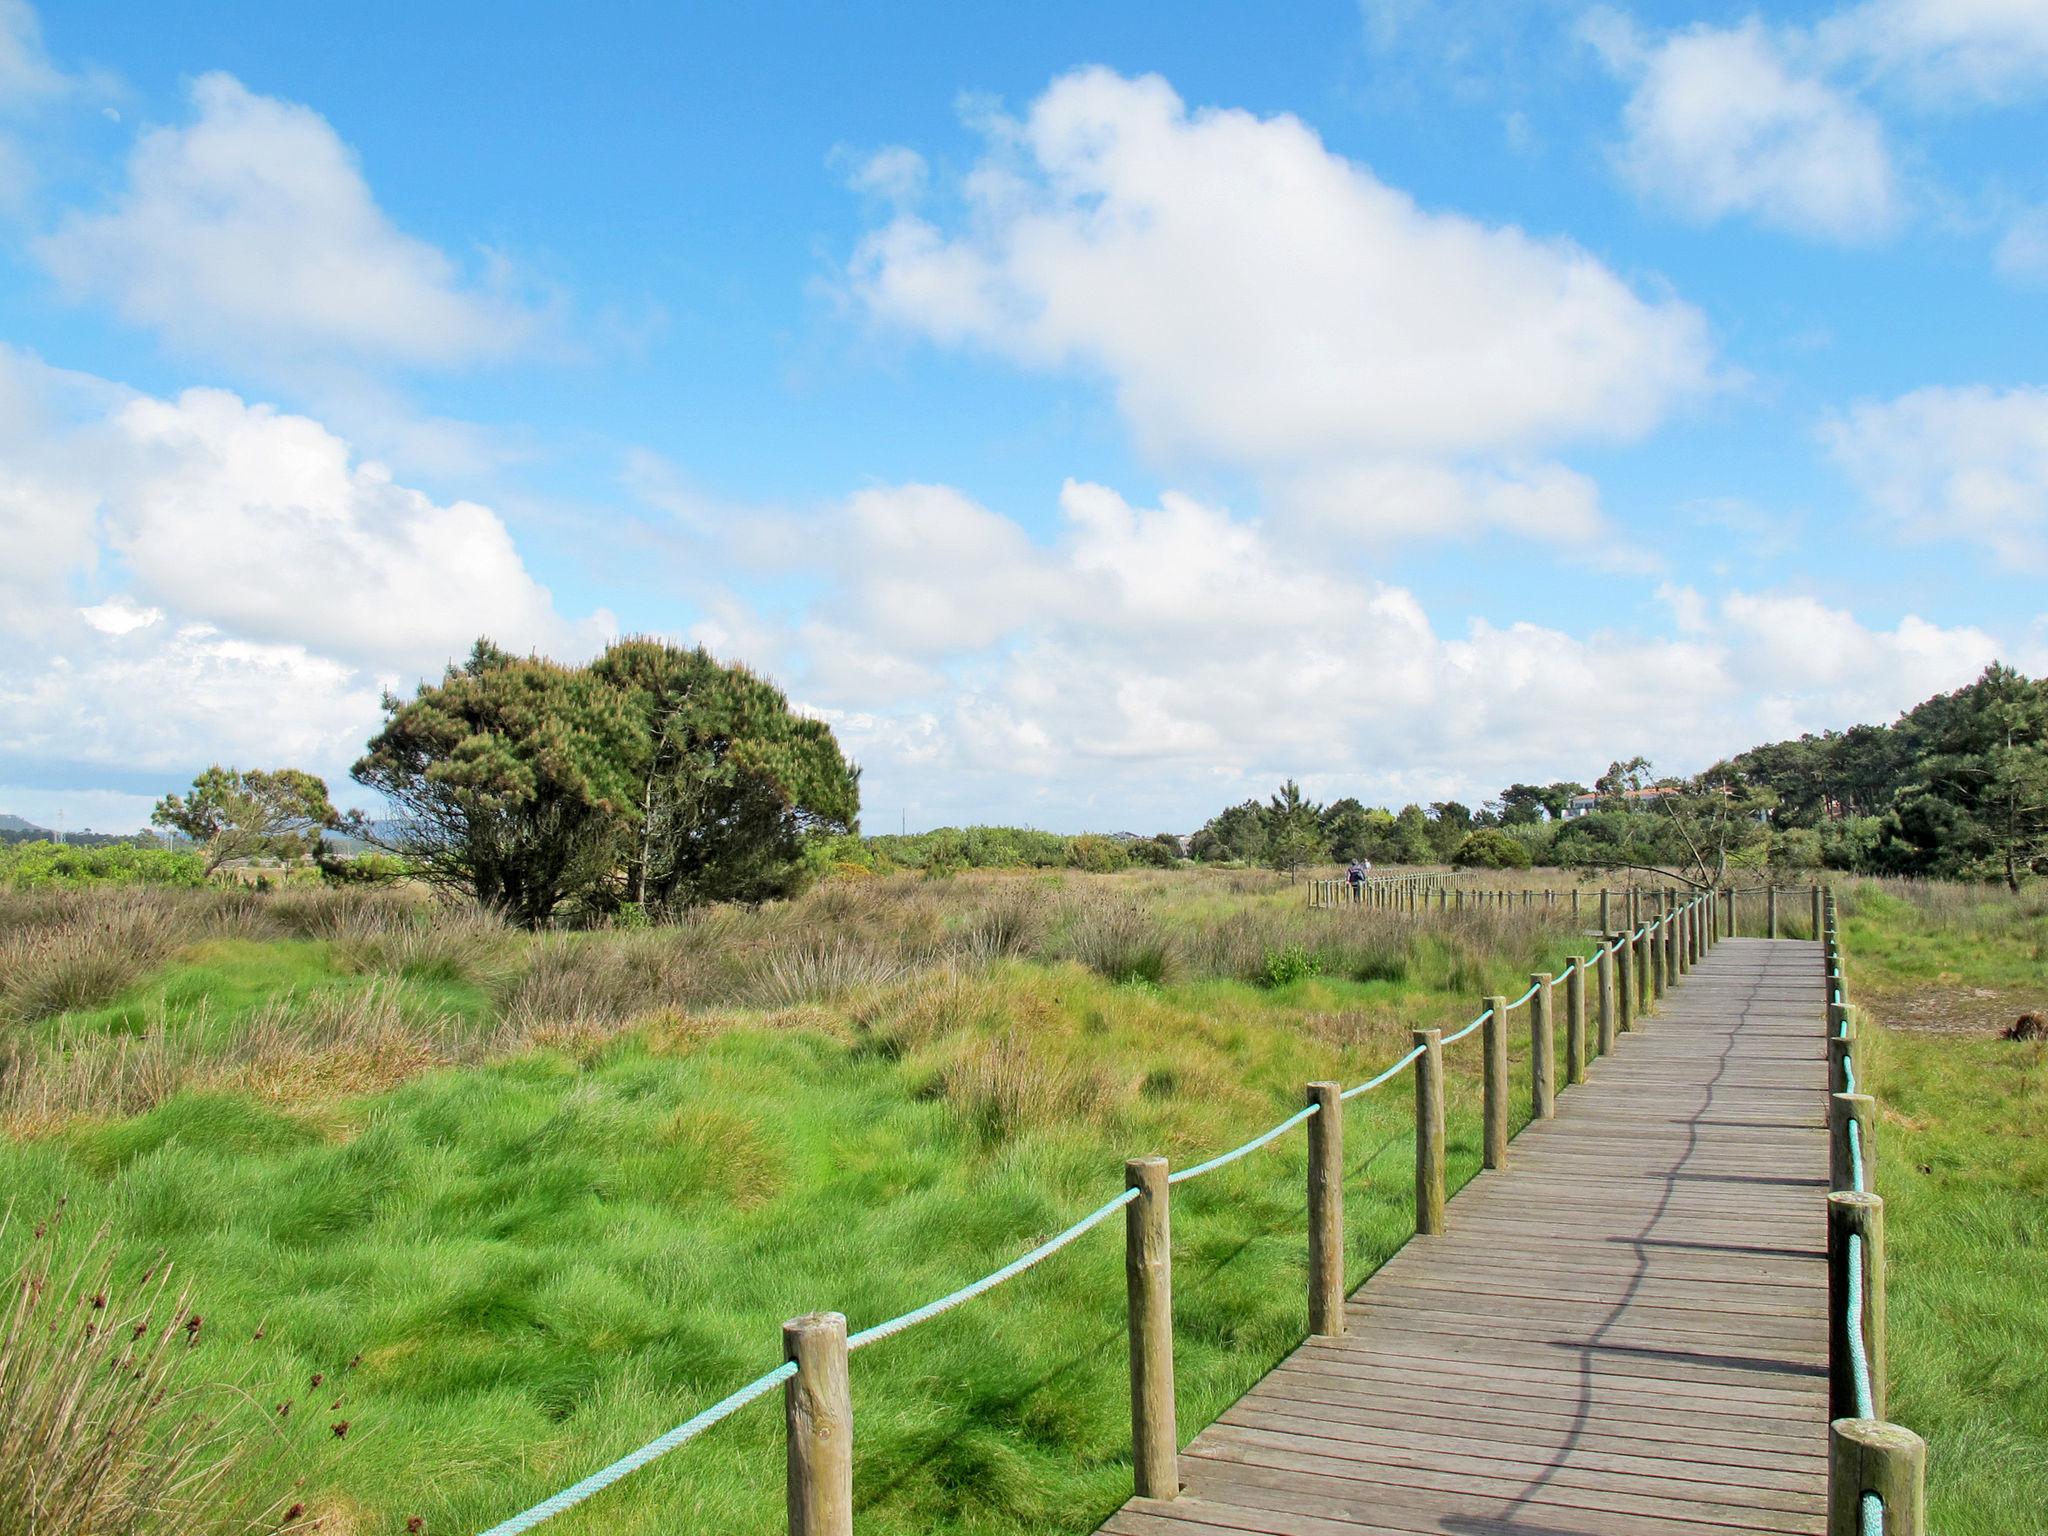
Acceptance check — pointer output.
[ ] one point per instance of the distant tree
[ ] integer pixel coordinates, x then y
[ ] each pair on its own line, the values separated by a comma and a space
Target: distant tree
1237, 833
655, 774
1294, 829
1161, 852
1978, 801
1491, 848
1347, 830
233, 814
1412, 843
1519, 805
1557, 798
1621, 778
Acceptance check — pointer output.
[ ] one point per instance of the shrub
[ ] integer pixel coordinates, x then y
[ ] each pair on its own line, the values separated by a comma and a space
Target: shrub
36, 866
1123, 943
1097, 855
1491, 848
1293, 963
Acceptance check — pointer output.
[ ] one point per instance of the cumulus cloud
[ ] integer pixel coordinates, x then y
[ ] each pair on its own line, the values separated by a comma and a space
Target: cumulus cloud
1954, 463
251, 230
1730, 120
1253, 297
1176, 656
203, 578
1948, 50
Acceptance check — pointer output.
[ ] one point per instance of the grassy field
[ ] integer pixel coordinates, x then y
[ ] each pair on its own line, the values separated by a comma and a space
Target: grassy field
506, 1206
1963, 1168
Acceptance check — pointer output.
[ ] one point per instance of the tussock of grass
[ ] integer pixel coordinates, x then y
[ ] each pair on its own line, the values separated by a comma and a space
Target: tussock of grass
558, 1192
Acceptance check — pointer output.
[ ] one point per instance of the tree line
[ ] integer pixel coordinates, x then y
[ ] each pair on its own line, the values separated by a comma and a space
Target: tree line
1956, 788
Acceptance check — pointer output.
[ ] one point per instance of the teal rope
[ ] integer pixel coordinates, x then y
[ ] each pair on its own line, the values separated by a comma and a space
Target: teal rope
1859, 1359
1368, 1086
1856, 1154
1251, 1146
1044, 1250
1872, 1510
688, 1430
1461, 1034
1524, 997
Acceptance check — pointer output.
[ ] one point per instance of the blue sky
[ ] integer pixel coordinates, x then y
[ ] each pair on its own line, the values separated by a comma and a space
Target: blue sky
1098, 414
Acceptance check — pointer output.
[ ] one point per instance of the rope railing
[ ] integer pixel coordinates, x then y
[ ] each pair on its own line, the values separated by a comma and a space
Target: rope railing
1876, 1469
1143, 1203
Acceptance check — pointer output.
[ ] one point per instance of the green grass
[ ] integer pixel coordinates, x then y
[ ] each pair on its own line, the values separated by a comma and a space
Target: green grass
1963, 1169
507, 1272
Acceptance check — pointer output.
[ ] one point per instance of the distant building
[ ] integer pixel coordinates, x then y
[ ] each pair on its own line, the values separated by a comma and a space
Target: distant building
1587, 804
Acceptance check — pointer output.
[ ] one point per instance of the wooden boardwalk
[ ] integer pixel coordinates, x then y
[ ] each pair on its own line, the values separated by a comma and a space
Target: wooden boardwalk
1624, 1333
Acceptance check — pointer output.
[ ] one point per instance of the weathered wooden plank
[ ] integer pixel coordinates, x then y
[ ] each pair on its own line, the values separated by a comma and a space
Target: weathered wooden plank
1623, 1332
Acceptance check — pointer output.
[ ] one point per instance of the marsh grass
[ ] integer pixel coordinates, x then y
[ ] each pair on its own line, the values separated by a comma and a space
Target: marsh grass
554, 1194
109, 1425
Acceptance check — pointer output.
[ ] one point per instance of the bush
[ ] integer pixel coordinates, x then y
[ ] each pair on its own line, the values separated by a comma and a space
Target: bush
1293, 963
37, 866
1491, 848
1097, 855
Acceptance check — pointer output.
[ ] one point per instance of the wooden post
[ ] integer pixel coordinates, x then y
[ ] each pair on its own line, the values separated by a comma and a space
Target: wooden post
1542, 1051
1841, 1062
1575, 903
1889, 1460
1816, 909
1674, 952
817, 1405
1607, 1018
1429, 1132
1862, 1215
1859, 1109
1493, 1040
1635, 906
1625, 977
1575, 1021
1606, 922
1458, 900
1326, 1210
1148, 1282
1771, 910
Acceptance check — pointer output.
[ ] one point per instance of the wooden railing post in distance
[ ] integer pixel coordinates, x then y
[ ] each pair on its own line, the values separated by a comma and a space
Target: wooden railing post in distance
1326, 1210
1606, 923
1673, 954
1429, 1132
1148, 1285
818, 1415
1863, 1215
1493, 1040
1771, 910
1644, 994
1843, 1109
1607, 1021
1889, 1460
1816, 909
1542, 1050
1575, 1021
1625, 981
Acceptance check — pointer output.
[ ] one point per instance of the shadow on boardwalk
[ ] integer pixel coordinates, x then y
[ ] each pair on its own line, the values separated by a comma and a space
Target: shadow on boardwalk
1623, 1332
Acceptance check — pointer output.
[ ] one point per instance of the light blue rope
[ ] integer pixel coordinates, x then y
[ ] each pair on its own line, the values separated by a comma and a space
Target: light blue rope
1856, 1154
1461, 1034
1251, 1146
1372, 1083
1859, 1360
689, 1429
1872, 1509
1044, 1250
1524, 997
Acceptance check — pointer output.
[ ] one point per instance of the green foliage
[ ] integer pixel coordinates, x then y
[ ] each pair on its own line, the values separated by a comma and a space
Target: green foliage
1491, 848
965, 848
234, 814
655, 775
1294, 829
1293, 963
1097, 855
33, 866
1161, 852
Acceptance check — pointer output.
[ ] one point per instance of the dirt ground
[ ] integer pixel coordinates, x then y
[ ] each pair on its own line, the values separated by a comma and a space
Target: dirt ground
1953, 1010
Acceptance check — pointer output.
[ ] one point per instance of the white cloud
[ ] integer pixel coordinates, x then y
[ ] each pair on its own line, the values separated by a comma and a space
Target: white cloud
1176, 657
1730, 120
251, 231
2022, 253
203, 579
1948, 50
26, 73
1253, 297
1955, 463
